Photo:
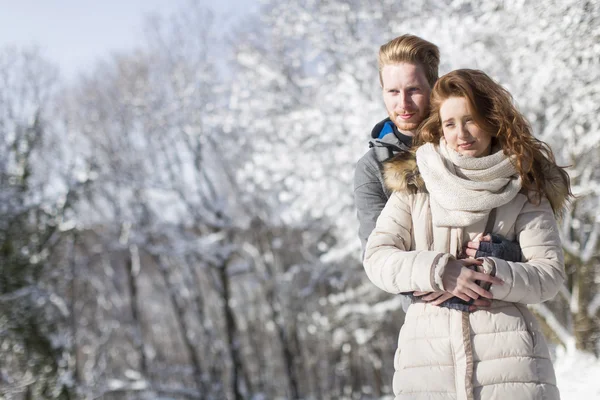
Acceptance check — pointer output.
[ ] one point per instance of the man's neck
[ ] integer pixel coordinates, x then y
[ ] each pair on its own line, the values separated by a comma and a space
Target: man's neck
406, 133
405, 137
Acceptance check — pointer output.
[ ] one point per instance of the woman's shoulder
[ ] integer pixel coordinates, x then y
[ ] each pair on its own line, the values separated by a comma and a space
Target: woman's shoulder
401, 173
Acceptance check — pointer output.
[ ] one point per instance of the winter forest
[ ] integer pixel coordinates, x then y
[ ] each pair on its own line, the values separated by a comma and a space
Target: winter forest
178, 222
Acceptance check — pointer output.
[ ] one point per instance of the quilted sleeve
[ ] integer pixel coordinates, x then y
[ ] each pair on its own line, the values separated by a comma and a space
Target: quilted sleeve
369, 197
542, 273
389, 261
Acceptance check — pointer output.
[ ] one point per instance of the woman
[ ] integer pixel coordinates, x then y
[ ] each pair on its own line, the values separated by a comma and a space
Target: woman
479, 167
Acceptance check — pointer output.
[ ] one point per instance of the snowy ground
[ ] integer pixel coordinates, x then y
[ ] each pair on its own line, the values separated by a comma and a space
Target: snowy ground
578, 376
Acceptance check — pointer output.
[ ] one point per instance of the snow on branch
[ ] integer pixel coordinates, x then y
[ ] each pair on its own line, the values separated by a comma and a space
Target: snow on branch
590, 246
17, 294
564, 292
569, 245
594, 306
41, 296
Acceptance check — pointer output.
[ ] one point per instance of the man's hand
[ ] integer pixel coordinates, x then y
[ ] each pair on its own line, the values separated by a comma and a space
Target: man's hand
460, 281
437, 298
492, 245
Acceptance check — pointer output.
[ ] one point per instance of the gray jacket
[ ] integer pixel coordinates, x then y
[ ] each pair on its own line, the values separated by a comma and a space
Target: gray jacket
370, 194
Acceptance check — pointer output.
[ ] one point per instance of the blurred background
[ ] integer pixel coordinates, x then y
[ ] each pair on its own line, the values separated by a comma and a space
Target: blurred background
176, 210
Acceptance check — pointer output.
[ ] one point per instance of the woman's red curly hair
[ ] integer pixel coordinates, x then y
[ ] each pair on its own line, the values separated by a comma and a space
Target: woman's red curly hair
494, 112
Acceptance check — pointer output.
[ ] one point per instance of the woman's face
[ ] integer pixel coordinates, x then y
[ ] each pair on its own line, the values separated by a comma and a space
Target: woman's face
460, 130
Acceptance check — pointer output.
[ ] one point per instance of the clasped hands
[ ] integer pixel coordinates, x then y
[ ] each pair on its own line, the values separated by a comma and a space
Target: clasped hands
462, 279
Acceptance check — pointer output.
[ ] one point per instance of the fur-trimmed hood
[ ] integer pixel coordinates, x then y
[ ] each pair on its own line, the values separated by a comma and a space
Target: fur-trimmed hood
401, 173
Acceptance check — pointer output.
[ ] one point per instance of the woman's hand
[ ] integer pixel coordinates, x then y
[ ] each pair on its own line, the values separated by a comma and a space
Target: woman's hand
460, 281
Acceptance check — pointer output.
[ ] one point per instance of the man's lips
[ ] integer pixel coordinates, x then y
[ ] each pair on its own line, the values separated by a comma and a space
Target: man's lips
406, 116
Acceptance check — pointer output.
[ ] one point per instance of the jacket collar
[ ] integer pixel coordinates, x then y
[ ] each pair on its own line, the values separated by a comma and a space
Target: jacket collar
386, 129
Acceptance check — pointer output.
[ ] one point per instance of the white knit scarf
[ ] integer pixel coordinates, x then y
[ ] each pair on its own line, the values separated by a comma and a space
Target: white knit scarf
463, 190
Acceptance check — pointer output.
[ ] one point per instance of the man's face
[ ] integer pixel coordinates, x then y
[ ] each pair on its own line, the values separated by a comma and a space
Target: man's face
406, 95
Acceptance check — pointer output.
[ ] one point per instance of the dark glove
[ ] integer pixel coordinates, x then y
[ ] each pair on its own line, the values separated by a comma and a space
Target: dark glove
501, 248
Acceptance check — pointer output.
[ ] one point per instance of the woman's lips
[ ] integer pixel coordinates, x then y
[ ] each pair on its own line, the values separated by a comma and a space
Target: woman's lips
466, 145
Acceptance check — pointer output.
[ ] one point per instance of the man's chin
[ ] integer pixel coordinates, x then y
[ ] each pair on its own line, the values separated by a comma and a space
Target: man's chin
407, 128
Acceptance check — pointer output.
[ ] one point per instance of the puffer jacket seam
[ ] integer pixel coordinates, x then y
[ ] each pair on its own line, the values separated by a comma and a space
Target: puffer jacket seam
506, 382
494, 333
426, 391
427, 366
503, 358
447, 337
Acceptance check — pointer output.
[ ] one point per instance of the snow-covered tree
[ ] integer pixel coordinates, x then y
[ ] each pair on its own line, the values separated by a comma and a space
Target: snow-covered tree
37, 196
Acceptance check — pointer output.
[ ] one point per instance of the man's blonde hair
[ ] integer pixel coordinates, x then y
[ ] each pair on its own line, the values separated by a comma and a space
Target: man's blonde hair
411, 49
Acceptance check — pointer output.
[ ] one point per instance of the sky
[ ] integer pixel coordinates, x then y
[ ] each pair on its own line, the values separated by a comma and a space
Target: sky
74, 34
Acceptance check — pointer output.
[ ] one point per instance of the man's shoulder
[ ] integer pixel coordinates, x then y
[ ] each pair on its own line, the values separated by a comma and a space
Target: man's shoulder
370, 165
368, 158
378, 154
371, 161
368, 169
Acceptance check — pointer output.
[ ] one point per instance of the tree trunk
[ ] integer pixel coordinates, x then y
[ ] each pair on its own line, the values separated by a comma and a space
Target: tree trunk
584, 326
214, 371
231, 329
183, 326
288, 355
73, 320
133, 268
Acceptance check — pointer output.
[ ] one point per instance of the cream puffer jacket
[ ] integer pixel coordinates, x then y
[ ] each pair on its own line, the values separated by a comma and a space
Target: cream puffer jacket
443, 353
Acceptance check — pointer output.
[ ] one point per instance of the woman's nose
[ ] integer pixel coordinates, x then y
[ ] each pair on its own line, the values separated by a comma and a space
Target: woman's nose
463, 133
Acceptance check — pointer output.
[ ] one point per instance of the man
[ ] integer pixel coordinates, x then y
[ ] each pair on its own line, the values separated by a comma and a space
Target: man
408, 69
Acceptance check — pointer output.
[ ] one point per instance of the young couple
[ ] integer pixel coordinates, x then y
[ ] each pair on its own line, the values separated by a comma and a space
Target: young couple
457, 204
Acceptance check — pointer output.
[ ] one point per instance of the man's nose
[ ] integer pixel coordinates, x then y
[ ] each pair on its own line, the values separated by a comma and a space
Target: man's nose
404, 100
